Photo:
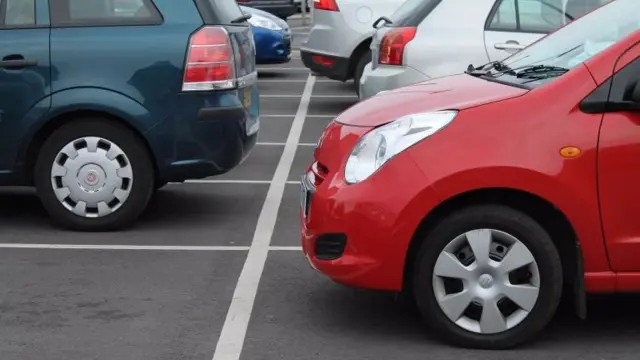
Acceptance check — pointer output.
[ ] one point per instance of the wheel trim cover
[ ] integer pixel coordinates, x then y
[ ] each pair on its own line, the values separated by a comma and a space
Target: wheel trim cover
92, 177
486, 281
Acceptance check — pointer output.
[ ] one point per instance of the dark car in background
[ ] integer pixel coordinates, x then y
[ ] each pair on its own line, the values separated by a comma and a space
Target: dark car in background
103, 101
280, 8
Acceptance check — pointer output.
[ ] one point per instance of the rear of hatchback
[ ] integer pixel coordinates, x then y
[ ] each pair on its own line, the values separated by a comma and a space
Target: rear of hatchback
280, 8
388, 49
125, 101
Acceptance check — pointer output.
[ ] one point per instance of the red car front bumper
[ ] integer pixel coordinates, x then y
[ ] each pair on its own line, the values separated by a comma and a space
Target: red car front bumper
358, 234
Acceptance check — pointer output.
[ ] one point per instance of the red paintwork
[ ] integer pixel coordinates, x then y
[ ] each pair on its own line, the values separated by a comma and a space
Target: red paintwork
503, 137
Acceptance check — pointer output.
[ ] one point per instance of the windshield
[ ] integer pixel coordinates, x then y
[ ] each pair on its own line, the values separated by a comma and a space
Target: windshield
571, 45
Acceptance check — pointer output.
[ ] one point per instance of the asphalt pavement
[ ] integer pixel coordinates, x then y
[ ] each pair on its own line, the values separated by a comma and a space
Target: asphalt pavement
214, 270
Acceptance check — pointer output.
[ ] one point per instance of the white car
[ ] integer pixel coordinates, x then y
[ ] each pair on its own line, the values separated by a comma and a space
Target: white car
425, 39
338, 43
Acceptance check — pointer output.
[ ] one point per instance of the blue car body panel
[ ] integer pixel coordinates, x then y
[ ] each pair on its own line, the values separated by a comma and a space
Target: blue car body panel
104, 70
272, 46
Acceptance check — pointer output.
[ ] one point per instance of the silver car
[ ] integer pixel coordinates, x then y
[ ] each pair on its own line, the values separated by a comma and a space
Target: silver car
425, 39
338, 43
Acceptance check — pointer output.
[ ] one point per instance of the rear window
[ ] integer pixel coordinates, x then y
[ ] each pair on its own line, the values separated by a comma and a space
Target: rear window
219, 11
412, 12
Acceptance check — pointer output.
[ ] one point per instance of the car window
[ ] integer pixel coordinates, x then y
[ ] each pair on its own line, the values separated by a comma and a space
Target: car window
17, 12
575, 43
103, 12
412, 12
538, 16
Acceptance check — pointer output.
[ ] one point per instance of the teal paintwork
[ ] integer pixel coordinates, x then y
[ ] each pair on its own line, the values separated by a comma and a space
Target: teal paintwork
132, 74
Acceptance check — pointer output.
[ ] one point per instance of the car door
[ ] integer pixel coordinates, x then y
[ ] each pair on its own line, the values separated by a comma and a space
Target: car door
514, 24
618, 168
25, 74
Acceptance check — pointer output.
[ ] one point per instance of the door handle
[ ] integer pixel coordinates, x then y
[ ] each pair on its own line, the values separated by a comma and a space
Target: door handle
510, 46
16, 62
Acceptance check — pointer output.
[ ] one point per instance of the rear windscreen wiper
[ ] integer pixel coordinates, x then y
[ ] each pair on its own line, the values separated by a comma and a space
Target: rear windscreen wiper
241, 19
382, 18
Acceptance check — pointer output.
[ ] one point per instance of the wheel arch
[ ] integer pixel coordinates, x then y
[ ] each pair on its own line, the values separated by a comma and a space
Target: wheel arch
541, 210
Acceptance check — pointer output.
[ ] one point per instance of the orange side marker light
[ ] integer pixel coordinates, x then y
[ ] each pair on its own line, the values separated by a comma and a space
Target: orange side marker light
570, 152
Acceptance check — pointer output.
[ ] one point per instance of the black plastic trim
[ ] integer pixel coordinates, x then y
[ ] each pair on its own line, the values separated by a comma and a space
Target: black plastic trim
615, 93
339, 71
218, 113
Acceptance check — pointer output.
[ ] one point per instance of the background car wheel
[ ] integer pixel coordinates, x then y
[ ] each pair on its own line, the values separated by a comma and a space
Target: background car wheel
359, 69
94, 175
488, 277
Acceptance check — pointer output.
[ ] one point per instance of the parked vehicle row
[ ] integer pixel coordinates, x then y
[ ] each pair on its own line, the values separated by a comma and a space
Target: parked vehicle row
96, 122
406, 42
281, 8
488, 195
339, 40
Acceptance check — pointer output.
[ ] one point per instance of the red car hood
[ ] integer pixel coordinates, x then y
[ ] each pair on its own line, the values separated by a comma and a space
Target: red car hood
456, 92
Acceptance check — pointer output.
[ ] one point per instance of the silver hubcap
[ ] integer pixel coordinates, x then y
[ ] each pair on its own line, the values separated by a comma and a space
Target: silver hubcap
486, 281
92, 177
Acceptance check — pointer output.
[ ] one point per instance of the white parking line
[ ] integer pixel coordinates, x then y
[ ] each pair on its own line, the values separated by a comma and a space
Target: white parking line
290, 116
282, 144
312, 96
139, 247
285, 248
123, 247
231, 340
214, 181
318, 80
282, 68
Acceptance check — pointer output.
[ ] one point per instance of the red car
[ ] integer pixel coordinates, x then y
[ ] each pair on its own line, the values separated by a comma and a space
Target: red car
490, 194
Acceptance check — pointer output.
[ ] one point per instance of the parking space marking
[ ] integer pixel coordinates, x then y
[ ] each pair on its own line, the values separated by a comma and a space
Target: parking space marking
281, 68
312, 96
123, 247
290, 116
285, 248
214, 181
293, 81
283, 144
139, 247
234, 330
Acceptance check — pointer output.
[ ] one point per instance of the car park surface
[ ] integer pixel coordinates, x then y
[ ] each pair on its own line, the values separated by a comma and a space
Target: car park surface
164, 289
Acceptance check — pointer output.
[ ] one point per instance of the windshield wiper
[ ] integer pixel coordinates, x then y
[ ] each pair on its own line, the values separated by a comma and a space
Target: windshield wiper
480, 70
241, 19
541, 71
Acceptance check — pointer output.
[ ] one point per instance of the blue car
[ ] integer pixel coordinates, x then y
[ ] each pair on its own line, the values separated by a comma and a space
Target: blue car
104, 101
272, 36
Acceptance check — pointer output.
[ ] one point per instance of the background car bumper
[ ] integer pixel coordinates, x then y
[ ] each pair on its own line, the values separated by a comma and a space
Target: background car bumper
272, 46
385, 78
332, 67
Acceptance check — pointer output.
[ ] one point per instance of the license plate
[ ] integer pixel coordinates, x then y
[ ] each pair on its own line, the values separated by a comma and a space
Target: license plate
246, 101
304, 198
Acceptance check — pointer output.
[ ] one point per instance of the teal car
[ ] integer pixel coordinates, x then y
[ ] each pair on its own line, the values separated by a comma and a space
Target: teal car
104, 101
